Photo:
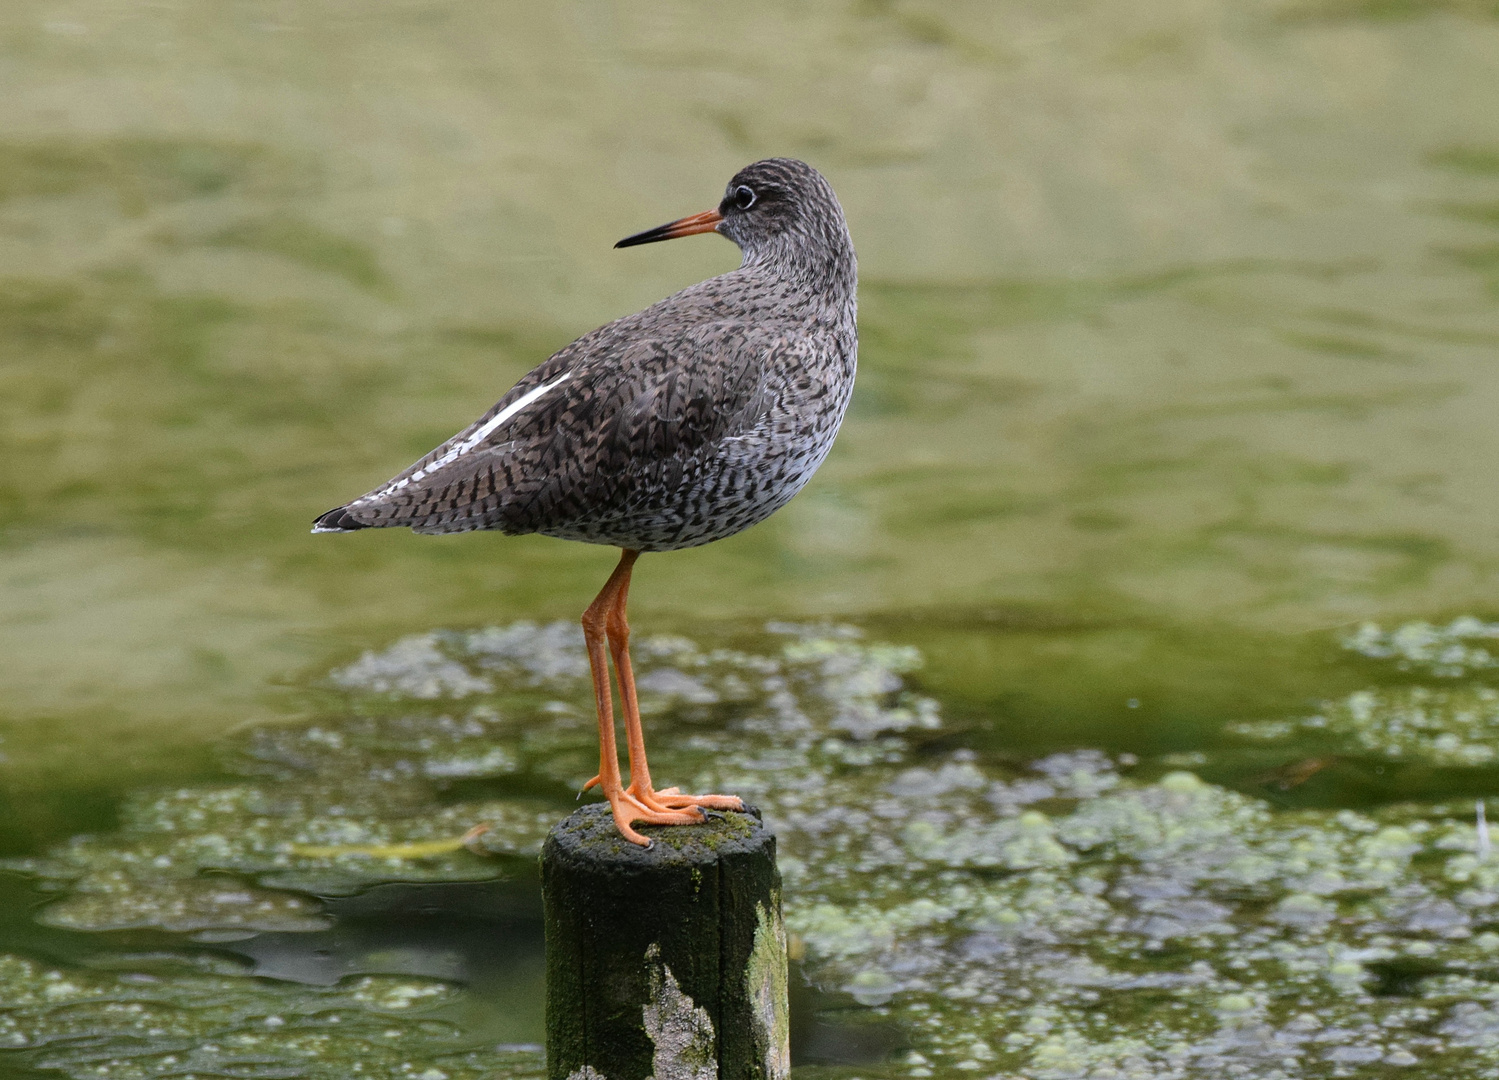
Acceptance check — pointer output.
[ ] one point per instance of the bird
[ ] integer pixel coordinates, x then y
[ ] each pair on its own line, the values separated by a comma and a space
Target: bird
673, 427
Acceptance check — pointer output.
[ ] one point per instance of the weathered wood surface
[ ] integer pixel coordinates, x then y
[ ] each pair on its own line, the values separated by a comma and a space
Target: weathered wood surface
668, 962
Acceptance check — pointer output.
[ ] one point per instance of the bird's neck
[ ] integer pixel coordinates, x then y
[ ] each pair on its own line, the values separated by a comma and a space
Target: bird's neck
825, 271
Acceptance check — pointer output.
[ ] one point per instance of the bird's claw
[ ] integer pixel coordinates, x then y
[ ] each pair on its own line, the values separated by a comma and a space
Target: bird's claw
629, 808
701, 802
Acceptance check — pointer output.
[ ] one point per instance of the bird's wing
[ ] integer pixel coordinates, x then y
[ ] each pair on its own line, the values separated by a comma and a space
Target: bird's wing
584, 433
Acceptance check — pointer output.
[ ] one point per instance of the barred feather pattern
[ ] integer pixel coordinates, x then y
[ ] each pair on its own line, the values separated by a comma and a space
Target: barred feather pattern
672, 427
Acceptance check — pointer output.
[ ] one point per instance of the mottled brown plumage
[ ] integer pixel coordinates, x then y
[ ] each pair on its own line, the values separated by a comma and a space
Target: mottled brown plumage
681, 424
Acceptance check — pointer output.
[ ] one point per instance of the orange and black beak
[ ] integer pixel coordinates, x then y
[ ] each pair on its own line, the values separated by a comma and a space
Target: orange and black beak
707, 221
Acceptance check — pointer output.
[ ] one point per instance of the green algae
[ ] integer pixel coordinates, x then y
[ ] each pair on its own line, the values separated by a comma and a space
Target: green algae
1448, 651
1127, 268
1437, 720
323, 794
115, 902
137, 1028
766, 987
1080, 915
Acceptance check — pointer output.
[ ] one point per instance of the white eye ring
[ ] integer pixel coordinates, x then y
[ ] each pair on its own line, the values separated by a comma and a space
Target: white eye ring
744, 197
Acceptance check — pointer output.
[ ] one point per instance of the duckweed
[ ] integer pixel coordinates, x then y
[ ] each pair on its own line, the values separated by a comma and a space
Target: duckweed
1447, 651
131, 1026
1429, 722
1076, 916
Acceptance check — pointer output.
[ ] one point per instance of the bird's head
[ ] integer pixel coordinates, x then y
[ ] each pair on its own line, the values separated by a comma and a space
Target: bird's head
779, 209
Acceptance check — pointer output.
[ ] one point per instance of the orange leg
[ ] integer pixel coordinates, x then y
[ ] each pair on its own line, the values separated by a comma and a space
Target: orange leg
618, 631
627, 808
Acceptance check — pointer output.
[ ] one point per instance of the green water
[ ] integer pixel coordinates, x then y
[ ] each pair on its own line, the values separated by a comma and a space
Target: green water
1177, 327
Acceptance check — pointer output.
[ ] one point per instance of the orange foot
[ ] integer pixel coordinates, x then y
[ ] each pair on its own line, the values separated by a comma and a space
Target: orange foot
628, 808
672, 798
666, 807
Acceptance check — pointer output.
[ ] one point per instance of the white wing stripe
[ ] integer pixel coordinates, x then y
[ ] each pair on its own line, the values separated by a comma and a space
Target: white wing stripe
479, 436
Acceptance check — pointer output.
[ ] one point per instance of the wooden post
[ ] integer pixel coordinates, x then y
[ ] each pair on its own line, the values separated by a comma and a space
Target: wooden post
668, 962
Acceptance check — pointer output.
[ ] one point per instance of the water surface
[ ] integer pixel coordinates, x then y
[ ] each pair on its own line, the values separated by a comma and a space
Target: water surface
1177, 326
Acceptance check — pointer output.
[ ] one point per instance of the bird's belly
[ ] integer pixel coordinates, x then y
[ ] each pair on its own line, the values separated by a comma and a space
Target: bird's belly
749, 478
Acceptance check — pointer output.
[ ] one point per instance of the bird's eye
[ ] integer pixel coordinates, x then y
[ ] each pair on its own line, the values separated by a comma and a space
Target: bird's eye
744, 197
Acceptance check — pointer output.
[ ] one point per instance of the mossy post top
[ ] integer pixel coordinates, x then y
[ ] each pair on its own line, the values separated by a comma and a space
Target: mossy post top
667, 961
589, 836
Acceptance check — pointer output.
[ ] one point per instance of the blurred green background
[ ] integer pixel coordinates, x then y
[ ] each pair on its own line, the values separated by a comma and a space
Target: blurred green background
1178, 328
1172, 313
1178, 324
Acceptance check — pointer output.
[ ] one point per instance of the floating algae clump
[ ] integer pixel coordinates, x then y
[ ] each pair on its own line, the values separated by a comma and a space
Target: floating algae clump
126, 1027
1062, 918
1442, 724
1462, 646
332, 826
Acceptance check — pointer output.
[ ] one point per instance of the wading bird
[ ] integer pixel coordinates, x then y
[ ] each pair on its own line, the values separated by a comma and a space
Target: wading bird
681, 424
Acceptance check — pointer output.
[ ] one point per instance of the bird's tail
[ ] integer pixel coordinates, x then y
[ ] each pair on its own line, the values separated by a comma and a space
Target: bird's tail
337, 520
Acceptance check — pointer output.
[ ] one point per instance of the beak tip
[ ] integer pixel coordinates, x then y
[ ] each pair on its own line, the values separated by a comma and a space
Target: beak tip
708, 221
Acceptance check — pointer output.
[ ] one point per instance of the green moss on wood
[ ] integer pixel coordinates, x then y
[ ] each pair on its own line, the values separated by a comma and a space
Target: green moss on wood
766, 983
650, 951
